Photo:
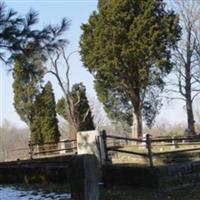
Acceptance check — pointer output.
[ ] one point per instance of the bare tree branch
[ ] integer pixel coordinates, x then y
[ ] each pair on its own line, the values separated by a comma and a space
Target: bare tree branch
195, 95
186, 58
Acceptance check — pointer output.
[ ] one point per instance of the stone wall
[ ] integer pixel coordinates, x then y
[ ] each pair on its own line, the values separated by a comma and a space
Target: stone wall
36, 171
129, 175
179, 176
79, 171
161, 177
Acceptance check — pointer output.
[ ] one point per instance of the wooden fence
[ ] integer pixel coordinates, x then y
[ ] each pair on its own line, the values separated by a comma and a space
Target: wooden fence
149, 142
52, 148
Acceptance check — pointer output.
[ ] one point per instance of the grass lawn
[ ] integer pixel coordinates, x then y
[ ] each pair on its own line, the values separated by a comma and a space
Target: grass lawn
128, 193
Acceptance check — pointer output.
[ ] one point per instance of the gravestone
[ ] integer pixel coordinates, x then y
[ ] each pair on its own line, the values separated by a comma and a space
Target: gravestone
87, 143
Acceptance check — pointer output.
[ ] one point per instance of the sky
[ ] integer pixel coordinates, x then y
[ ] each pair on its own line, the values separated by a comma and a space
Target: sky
51, 12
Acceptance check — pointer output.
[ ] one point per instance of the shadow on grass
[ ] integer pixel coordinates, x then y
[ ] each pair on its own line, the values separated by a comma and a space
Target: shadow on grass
136, 193
179, 158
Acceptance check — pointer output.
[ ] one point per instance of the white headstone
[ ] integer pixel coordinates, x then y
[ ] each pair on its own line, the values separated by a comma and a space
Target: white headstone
87, 143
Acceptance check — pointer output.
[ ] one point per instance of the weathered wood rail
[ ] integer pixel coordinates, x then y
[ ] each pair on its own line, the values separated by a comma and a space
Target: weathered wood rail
170, 176
51, 148
149, 143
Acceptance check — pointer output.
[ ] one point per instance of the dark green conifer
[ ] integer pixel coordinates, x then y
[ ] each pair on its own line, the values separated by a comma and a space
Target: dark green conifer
27, 73
49, 122
83, 113
35, 124
83, 116
44, 124
127, 45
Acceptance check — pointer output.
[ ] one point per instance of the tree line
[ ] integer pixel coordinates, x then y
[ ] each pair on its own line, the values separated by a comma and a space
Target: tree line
130, 47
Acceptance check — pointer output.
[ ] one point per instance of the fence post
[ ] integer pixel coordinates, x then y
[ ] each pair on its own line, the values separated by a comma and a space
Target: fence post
103, 147
148, 145
176, 143
30, 150
84, 177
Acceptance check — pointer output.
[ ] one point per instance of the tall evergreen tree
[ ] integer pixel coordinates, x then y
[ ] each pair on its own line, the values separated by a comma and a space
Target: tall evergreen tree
49, 124
44, 125
126, 45
82, 110
37, 112
27, 73
83, 113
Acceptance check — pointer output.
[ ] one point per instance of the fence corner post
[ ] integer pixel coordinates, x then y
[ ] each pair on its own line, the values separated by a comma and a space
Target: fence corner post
84, 177
176, 142
30, 150
148, 145
103, 146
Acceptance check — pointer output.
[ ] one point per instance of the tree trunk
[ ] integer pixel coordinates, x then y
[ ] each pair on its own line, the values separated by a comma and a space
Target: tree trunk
137, 117
189, 109
72, 132
70, 112
190, 117
188, 91
137, 124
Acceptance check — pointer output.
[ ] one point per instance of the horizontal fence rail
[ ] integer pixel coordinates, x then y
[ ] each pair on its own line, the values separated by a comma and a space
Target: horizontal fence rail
177, 151
53, 151
128, 152
52, 148
47, 143
149, 143
178, 139
127, 139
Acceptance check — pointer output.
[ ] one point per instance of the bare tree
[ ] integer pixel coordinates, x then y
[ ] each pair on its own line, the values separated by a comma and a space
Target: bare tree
65, 87
187, 58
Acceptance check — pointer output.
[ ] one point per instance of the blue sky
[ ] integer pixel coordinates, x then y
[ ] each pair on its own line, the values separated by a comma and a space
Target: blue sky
51, 12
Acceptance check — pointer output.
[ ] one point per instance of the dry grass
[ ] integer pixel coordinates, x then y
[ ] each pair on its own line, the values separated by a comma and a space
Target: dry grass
172, 156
